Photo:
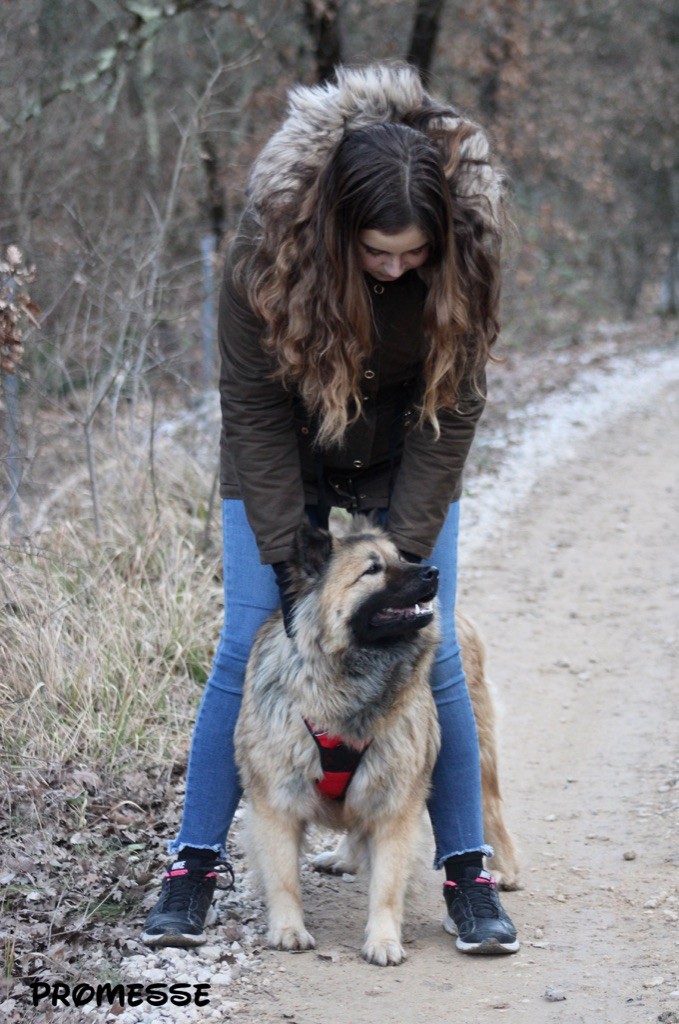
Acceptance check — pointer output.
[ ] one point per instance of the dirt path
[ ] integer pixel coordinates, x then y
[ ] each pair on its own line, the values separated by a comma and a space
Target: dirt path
569, 566
577, 598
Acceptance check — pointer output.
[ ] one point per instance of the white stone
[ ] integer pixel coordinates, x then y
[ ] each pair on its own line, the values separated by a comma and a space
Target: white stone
155, 974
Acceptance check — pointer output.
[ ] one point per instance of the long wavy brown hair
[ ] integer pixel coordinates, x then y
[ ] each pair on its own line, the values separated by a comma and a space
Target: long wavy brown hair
303, 277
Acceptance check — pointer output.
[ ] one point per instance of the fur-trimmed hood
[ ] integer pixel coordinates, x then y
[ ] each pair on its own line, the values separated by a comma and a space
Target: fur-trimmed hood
318, 116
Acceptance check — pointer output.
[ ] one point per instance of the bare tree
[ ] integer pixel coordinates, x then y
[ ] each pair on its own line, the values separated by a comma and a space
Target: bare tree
424, 35
669, 305
323, 20
145, 22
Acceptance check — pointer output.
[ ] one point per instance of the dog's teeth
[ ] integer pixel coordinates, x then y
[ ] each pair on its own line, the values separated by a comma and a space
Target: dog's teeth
418, 610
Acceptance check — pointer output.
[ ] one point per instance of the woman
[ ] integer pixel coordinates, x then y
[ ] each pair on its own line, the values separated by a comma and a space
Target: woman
358, 310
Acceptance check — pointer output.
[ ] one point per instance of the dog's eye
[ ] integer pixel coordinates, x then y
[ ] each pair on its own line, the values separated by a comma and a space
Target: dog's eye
373, 568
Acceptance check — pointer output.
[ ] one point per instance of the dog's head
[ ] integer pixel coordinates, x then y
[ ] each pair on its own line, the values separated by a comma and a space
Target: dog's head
354, 587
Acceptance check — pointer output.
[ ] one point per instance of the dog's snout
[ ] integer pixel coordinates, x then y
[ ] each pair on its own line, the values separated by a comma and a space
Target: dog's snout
429, 574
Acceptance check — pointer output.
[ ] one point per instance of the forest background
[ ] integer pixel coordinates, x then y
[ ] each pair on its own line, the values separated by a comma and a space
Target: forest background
128, 128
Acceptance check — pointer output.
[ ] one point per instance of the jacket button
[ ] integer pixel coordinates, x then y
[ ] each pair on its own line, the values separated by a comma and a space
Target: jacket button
304, 430
369, 374
358, 464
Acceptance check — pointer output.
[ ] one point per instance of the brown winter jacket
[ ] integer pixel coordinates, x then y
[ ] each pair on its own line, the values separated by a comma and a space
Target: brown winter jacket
267, 454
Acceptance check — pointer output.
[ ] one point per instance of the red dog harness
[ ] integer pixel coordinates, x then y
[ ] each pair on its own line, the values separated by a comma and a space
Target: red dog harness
339, 761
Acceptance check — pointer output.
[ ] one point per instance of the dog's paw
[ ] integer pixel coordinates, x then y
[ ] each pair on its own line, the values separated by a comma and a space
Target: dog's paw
384, 954
509, 883
508, 880
292, 939
333, 863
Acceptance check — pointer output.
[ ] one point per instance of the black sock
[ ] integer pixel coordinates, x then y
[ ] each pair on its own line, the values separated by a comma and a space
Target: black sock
462, 866
196, 858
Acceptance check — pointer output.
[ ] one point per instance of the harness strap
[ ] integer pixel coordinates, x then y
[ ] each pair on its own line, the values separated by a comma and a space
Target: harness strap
339, 761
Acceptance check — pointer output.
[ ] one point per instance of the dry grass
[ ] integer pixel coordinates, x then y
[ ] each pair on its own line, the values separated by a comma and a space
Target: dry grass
103, 644
104, 648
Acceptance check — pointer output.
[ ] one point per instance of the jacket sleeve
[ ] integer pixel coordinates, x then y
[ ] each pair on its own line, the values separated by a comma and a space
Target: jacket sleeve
257, 425
429, 477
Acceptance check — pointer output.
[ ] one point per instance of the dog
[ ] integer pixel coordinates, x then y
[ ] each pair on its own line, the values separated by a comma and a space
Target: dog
338, 727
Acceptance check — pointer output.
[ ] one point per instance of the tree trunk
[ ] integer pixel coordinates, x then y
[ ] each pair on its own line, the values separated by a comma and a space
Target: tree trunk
498, 51
424, 35
669, 302
630, 260
215, 193
54, 36
323, 19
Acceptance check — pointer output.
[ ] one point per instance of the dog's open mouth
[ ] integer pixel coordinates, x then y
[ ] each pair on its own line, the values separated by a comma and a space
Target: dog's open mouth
399, 609
405, 615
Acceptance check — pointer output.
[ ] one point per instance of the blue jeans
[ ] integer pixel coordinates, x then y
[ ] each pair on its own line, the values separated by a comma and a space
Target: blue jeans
251, 594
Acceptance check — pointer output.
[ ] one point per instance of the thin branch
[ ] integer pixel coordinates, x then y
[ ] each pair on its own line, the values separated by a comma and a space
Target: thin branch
149, 19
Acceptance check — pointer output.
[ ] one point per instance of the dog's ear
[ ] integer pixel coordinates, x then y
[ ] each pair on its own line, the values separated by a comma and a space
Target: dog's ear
313, 549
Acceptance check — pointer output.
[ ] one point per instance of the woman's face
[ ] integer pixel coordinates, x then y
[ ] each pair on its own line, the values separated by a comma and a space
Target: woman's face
387, 257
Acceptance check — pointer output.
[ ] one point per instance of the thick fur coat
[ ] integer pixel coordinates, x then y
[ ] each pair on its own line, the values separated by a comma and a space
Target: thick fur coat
318, 116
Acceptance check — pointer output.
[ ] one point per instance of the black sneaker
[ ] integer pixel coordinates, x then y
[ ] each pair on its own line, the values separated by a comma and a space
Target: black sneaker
477, 917
180, 915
